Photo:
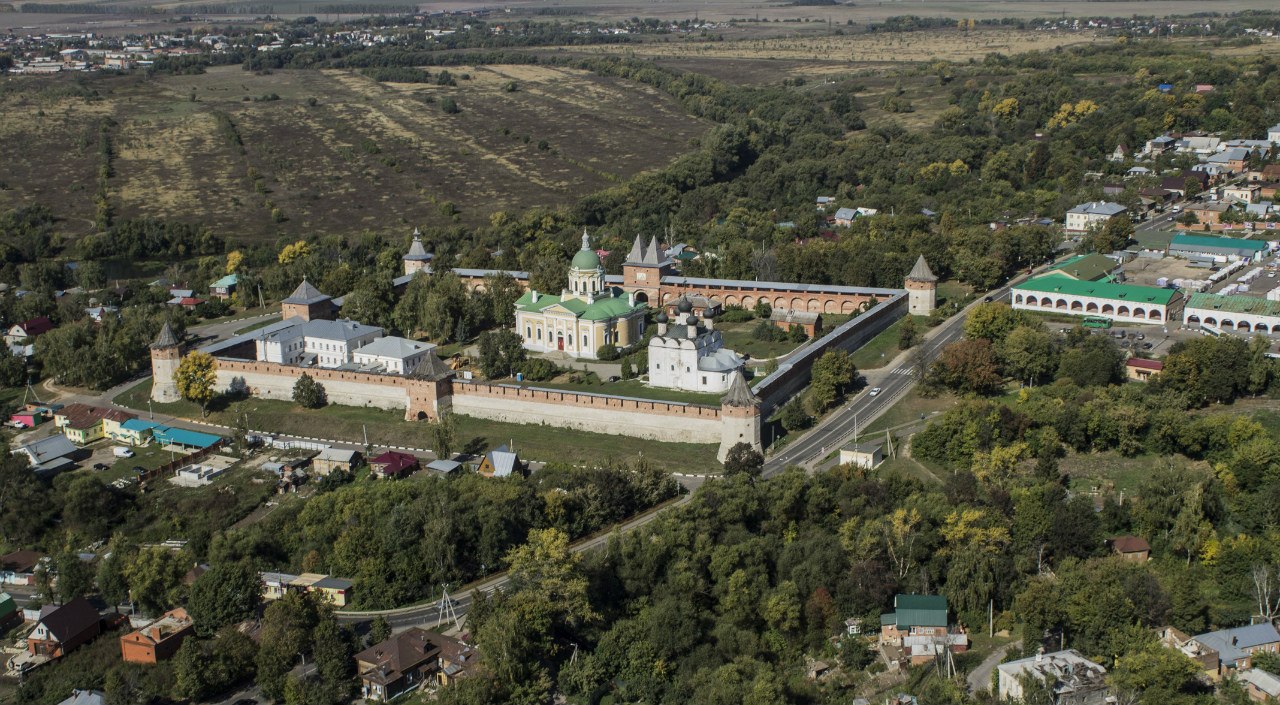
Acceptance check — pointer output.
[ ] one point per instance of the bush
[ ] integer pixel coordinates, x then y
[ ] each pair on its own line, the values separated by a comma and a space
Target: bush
607, 352
539, 370
449, 106
735, 314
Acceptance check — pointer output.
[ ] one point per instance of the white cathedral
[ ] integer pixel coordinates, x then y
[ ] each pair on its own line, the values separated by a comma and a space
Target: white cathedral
689, 354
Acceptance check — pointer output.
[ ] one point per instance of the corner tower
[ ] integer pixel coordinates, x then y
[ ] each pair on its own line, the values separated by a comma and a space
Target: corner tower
739, 417
922, 289
166, 353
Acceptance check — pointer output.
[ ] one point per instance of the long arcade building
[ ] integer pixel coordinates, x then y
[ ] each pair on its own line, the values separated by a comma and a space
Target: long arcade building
1119, 302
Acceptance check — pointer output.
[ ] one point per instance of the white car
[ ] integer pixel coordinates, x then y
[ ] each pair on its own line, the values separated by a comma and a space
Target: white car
873, 392
122, 452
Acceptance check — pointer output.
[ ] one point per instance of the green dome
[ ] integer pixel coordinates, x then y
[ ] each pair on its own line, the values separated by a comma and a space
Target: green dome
586, 259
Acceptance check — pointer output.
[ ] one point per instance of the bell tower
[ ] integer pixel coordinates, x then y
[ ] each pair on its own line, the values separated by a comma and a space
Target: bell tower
166, 354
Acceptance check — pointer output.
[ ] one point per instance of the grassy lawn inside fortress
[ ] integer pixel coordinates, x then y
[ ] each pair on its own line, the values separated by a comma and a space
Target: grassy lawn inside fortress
627, 388
348, 423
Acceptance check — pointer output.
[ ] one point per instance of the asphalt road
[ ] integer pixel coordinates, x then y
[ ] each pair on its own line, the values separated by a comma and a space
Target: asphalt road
894, 380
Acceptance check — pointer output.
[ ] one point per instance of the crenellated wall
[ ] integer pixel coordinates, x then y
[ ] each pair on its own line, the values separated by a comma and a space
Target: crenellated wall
599, 413
274, 381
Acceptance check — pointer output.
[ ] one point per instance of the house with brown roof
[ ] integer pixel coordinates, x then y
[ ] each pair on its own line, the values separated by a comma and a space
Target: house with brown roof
1131, 548
157, 641
19, 567
407, 660
1140, 370
62, 629
393, 464
84, 424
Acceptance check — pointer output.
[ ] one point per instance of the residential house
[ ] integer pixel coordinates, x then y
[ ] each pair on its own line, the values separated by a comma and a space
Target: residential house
84, 424
1131, 548
98, 313
1245, 193
1178, 183
1209, 213
1204, 88
407, 660
1160, 145
1235, 647
1120, 153
1159, 196
225, 287
19, 567
1071, 678
1137, 171
392, 355
1258, 210
86, 697
1113, 189
10, 615
50, 454
444, 467
393, 464
337, 591
1095, 213
1173, 638
1203, 145
500, 462
62, 629
916, 631
821, 202
785, 318
1214, 170
1140, 370
845, 216
1262, 686
1273, 134
157, 641
331, 459
275, 585
1269, 190
1270, 172
18, 337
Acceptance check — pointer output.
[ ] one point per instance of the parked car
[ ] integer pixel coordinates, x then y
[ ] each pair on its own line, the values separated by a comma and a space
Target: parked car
1146, 346
1142, 336
100, 466
121, 452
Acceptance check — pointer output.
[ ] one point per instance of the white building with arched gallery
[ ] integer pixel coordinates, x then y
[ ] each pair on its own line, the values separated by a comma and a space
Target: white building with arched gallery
1119, 302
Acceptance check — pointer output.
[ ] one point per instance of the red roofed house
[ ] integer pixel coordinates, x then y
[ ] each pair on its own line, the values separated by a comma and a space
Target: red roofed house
1131, 548
1141, 370
19, 567
84, 424
64, 628
19, 332
392, 464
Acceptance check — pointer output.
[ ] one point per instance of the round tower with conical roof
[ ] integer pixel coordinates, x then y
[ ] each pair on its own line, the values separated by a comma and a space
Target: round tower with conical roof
922, 289
166, 354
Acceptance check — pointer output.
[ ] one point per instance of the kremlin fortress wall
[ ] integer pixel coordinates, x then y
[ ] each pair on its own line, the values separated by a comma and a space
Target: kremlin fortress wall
432, 389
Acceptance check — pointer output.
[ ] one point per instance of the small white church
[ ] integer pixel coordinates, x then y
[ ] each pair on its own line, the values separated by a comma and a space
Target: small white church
689, 354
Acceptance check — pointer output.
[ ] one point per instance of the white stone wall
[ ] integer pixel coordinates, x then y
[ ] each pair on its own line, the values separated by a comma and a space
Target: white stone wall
350, 393
657, 427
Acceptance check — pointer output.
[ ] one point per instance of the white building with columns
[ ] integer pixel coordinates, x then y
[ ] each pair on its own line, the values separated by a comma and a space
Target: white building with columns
585, 316
690, 355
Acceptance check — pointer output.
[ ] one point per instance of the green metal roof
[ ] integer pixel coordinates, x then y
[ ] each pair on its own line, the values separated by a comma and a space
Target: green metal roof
1231, 243
1092, 267
7, 605
917, 611
585, 259
227, 281
616, 306
1235, 304
1062, 284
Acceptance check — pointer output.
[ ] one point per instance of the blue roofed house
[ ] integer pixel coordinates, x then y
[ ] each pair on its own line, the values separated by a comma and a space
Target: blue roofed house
225, 287
844, 217
500, 462
1234, 648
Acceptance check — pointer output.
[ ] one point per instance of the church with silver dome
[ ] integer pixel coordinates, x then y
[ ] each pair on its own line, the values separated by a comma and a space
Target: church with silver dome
688, 353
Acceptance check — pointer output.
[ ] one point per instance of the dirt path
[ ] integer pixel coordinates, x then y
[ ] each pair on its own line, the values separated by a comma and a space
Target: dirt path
980, 678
